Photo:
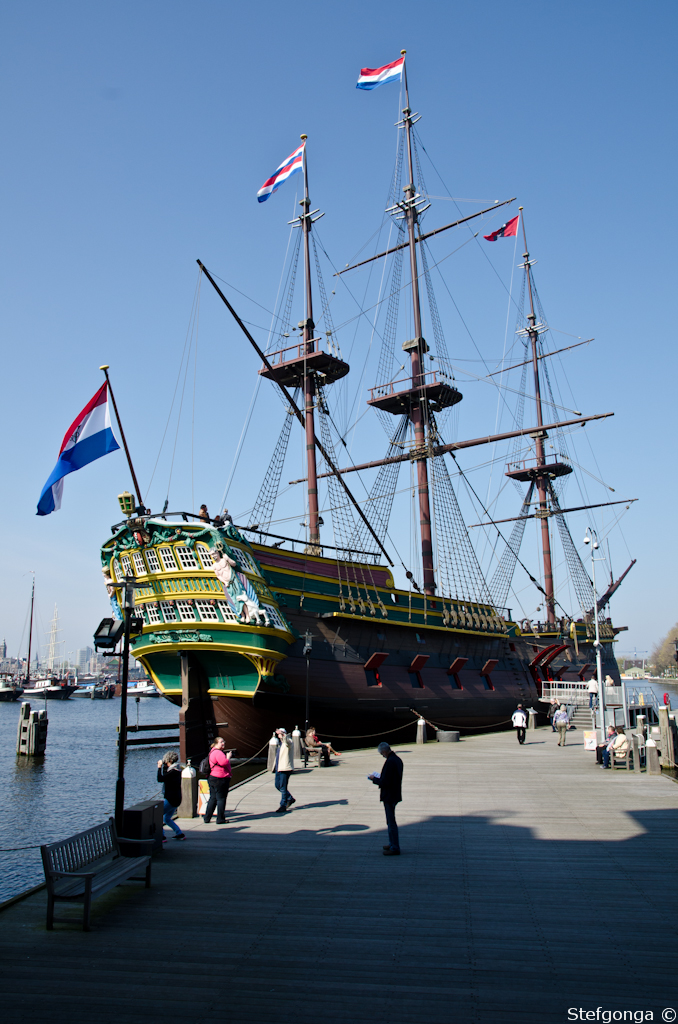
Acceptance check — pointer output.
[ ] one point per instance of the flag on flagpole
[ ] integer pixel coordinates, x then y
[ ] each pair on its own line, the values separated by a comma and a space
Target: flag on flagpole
505, 231
294, 163
88, 438
370, 78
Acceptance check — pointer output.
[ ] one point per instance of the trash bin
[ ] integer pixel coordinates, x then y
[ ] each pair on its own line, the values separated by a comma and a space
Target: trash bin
447, 736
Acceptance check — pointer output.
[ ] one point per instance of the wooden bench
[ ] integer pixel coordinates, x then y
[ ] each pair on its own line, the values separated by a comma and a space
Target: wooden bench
87, 865
621, 758
318, 753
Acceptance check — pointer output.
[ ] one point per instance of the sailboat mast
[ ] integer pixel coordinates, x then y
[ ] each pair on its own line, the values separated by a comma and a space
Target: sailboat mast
541, 474
30, 634
309, 381
417, 351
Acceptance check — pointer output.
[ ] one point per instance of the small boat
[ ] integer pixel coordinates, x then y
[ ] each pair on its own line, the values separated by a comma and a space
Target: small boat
142, 690
52, 689
102, 691
83, 691
9, 689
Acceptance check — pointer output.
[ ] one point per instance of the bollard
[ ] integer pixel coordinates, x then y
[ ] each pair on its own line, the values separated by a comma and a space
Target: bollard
188, 808
421, 731
652, 758
641, 725
532, 718
636, 752
31, 736
296, 743
447, 736
667, 759
272, 747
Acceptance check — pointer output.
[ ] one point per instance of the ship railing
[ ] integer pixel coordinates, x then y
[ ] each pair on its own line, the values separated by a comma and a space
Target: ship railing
297, 351
405, 384
642, 696
522, 464
568, 692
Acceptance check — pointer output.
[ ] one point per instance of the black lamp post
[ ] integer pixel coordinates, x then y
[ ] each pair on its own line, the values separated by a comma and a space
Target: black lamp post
107, 635
308, 638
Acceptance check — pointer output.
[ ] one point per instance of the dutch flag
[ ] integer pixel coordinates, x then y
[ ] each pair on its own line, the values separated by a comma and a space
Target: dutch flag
370, 78
88, 438
294, 163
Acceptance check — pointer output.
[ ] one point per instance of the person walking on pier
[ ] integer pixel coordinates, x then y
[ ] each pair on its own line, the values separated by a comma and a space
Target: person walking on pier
219, 780
390, 785
562, 724
283, 767
519, 719
552, 711
593, 692
169, 774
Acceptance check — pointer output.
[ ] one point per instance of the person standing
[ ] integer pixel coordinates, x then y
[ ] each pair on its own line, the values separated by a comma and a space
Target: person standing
593, 691
553, 707
519, 719
562, 724
283, 766
390, 785
169, 774
219, 781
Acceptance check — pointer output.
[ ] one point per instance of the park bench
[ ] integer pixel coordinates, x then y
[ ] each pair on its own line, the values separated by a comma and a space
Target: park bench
317, 753
87, 865
622, 758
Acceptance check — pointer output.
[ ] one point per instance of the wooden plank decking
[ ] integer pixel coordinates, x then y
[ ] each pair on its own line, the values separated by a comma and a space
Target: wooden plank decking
530, 882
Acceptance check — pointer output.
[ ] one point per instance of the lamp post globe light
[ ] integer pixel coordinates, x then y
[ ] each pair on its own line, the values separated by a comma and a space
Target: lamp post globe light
592, 539
107, 635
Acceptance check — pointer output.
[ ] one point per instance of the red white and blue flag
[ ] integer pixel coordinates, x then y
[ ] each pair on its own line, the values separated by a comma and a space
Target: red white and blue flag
88, 438
370, 78
505, 231
294, 163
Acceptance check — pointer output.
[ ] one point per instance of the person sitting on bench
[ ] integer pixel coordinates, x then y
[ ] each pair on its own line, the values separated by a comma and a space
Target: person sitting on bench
312, 742
619, 745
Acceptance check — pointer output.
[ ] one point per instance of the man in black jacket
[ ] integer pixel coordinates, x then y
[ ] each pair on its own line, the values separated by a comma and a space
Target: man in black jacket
390, 782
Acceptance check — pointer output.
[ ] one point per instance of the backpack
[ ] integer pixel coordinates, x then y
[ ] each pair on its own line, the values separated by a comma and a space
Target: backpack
205, 767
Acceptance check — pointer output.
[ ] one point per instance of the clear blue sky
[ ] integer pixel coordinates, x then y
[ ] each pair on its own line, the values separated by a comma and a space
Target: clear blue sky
135, 138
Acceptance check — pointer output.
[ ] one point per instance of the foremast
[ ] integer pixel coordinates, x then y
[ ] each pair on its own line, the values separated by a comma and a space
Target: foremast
418, 411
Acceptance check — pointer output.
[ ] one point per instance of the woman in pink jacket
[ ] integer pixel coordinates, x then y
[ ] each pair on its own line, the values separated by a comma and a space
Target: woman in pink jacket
219, 780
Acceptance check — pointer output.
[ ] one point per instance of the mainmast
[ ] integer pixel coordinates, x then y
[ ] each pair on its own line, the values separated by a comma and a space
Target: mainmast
418, 412
308, 328
540, 472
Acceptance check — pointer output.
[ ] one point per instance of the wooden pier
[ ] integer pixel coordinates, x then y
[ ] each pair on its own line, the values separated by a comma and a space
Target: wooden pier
531, 883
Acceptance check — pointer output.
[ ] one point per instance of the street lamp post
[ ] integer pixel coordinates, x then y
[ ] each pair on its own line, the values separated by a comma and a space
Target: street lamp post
107, 635
592, 539
308, 644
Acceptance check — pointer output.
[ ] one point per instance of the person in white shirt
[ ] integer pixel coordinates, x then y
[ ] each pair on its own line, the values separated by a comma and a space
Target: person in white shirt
593, 691
519, 719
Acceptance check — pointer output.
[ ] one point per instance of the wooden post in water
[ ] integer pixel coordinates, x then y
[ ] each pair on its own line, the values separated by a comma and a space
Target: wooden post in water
31, 736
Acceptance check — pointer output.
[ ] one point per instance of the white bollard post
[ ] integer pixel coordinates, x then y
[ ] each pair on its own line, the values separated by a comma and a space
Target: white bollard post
272, 745
421, 731
296, 743
532, 718
188, 808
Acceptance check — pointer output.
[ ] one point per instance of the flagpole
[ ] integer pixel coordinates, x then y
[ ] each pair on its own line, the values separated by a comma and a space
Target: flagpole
137, 489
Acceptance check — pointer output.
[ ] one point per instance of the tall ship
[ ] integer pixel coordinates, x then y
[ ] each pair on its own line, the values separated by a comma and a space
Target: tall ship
246, 628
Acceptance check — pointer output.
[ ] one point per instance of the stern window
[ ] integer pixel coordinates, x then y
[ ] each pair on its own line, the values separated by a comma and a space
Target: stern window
139, 563
186, 611
168, 559
205, 556
206, 611
187, 558
227, 613
126, 566
169, 611
153, 614
152, 559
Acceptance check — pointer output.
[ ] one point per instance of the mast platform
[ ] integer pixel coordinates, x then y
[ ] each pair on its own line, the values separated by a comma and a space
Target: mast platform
526, 471
399, 396
290, 365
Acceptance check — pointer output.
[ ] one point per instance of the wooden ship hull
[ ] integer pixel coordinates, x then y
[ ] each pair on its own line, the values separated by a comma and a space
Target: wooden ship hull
374, 665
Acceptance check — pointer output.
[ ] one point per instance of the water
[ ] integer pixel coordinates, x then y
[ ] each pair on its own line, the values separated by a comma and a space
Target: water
72, 787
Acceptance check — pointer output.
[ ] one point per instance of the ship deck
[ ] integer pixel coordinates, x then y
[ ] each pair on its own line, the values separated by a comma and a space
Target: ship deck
530, 882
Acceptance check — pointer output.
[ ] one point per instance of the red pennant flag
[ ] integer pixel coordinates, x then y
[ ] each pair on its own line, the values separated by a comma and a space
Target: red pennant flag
505, 231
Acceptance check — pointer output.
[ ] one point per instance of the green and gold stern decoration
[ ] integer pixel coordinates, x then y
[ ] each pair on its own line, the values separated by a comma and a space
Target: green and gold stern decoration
203, 593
